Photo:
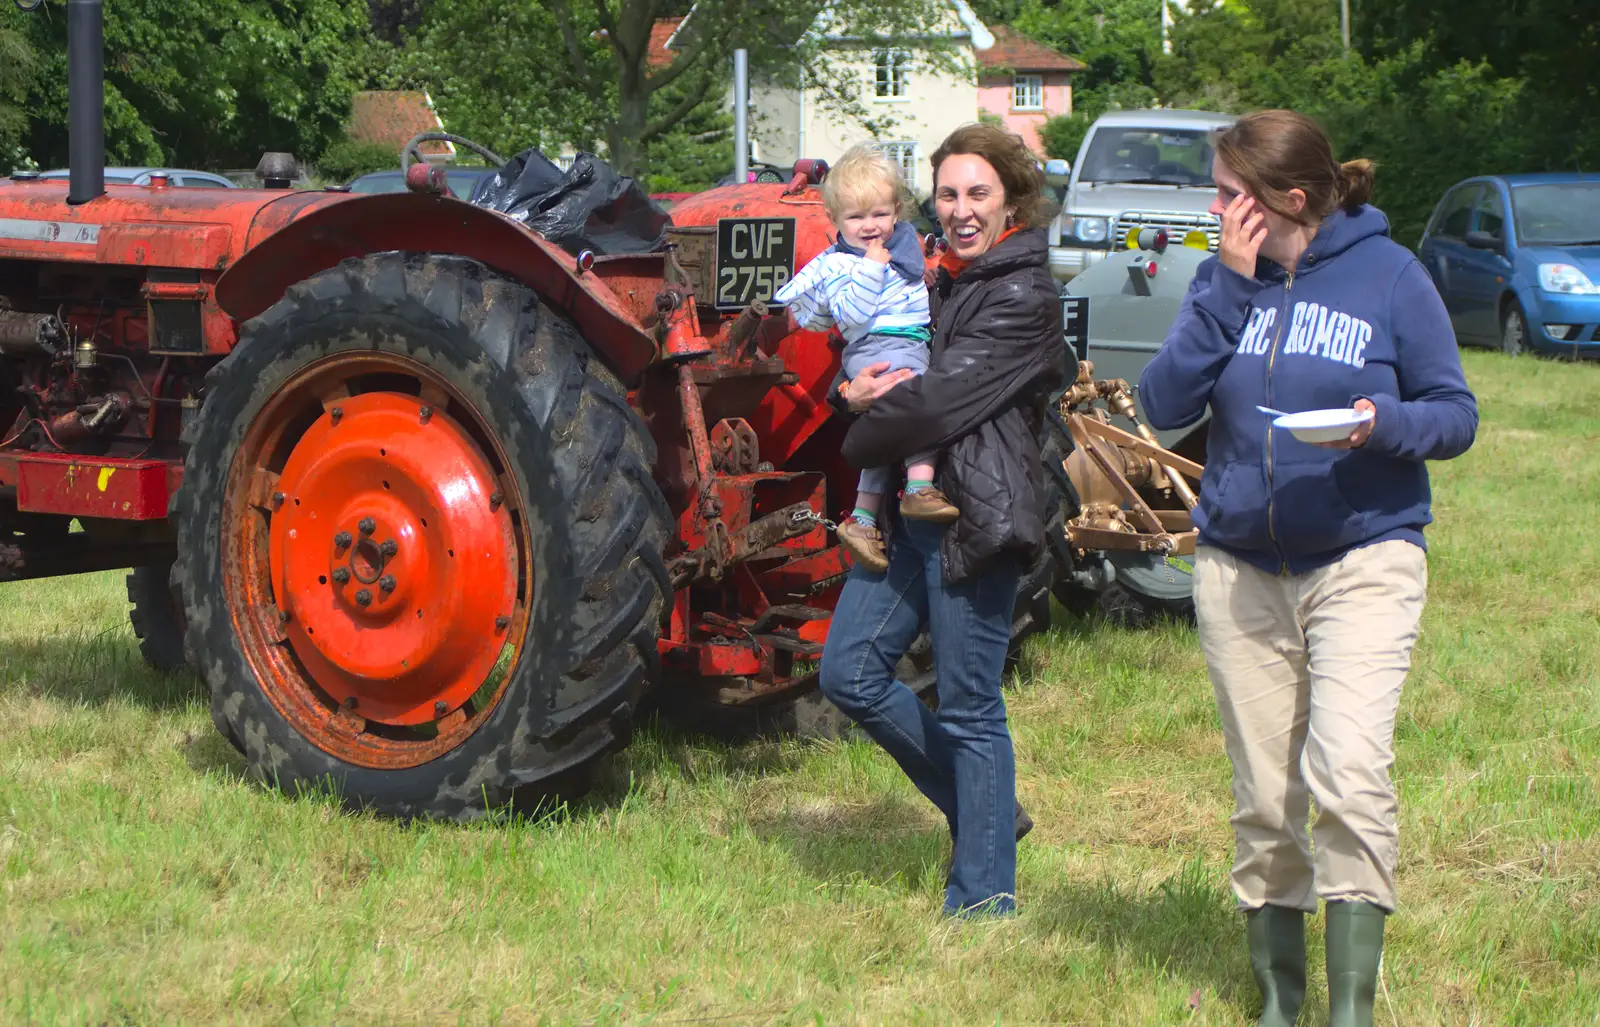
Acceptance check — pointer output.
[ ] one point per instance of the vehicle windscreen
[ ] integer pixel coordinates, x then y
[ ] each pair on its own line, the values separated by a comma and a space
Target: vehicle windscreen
379, 184
1557, 214
461, 182
1142, 155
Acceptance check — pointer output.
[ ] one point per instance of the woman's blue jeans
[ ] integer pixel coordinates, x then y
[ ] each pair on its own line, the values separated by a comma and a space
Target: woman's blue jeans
961, 756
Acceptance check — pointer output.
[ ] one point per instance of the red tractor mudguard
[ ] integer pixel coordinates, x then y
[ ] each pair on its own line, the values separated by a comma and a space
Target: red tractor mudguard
363, 225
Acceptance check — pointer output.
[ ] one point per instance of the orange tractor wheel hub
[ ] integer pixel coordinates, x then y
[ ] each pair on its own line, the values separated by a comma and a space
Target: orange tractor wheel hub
390, 554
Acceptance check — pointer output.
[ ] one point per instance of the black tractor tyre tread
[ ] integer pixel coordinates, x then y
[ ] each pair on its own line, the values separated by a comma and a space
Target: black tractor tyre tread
1130, 608
1062, 504
599, 526
157, 619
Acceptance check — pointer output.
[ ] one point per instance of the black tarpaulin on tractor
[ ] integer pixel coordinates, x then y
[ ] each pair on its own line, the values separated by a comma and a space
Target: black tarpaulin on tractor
587, 207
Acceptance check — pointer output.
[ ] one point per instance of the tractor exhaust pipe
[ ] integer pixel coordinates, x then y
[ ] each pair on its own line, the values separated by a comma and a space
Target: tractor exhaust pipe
86, 100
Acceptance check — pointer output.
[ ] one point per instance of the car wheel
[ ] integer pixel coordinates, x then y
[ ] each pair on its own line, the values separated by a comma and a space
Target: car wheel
1513, 330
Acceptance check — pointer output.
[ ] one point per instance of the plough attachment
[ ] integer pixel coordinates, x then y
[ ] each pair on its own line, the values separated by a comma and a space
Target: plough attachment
1134, 494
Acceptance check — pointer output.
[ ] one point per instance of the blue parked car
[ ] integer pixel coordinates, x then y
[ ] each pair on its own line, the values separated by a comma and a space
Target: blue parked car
1517, 260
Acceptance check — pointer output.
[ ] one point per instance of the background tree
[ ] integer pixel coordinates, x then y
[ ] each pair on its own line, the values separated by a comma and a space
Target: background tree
16, 66
208, 83
579, 71
1433, 92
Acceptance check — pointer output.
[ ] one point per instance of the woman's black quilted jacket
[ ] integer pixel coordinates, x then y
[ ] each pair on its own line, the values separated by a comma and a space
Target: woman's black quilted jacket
999, 350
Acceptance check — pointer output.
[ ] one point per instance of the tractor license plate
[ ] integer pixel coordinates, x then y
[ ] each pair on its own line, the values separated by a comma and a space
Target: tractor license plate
1075, 316
755, 257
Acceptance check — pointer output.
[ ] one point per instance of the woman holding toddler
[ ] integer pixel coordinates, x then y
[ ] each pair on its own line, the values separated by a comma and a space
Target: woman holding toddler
961, 417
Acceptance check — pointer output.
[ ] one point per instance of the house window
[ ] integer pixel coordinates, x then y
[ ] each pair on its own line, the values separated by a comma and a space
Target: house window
890, 74
904, 156
1027, 92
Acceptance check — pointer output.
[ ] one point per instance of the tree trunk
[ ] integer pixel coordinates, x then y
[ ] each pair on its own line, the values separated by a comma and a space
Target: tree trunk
624, 136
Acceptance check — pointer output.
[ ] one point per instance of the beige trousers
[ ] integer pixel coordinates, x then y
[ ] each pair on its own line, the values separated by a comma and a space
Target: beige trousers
1307, 671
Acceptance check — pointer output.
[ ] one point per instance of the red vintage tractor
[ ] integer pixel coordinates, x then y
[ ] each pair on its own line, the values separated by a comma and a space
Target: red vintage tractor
431, 504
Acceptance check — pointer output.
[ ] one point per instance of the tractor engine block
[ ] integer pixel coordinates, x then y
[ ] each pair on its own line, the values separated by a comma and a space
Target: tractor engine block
77, 367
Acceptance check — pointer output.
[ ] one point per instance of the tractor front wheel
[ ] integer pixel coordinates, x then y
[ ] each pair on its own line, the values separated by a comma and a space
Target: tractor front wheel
420, 549
157, 618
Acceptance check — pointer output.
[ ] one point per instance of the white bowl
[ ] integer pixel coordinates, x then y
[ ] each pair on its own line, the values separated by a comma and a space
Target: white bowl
1323, 425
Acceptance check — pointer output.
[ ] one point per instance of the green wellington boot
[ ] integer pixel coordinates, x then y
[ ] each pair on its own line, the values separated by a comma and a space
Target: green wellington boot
1354, 945
1277, 937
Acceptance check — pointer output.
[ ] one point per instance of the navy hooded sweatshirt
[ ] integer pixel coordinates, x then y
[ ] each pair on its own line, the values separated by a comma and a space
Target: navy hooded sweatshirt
1358, 318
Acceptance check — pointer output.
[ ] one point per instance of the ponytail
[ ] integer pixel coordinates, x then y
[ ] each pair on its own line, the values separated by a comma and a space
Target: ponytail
1355, 183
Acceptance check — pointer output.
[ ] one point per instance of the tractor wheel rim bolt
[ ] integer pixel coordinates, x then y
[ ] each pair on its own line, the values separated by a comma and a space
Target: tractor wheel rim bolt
342, 540
341, 574
389, 547
277, 500
387, 583
441, 707
367, 525
502, 623
495, 499
336, 413
424, 414
364, 598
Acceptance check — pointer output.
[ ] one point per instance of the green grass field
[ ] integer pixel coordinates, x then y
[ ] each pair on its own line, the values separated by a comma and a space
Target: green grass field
798, 882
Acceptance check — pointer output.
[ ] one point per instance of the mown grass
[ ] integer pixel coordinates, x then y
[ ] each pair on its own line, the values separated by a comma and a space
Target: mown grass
798, 882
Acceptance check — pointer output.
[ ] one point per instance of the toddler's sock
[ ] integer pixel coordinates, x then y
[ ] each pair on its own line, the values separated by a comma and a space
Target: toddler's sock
864, 518
918, 484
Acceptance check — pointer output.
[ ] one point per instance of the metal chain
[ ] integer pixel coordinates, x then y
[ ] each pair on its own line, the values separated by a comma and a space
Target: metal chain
808, 517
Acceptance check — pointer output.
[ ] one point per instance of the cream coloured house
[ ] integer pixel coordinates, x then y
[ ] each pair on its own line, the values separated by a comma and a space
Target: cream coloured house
900, 98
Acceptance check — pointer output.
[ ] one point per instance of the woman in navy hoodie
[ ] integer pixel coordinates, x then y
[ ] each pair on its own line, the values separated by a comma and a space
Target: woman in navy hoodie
1310, 575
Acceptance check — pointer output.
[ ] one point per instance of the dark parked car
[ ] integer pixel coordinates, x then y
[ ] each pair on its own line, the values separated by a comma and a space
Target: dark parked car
461, 181
760, 172
1517, 259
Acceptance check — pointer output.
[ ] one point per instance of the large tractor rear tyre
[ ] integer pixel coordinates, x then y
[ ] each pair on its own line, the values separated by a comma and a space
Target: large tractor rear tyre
420, 547
157, 618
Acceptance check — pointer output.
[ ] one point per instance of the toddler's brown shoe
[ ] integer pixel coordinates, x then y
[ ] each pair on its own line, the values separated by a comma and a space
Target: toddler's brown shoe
865, 545
928, 505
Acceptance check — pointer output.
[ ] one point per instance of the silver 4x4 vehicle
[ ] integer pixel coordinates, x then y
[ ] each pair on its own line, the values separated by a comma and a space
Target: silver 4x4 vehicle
1136, 169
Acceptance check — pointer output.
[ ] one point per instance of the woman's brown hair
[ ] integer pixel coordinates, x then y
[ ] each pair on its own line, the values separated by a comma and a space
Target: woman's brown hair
1274, 151
1018, 169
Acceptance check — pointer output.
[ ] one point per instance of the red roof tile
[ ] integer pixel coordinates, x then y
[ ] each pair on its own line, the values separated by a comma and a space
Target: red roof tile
659, 56
1016, 52
392, 117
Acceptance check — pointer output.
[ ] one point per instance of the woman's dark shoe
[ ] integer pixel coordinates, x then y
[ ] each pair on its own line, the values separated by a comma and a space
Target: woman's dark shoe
1277, 939
1354, 951
864, 544
1024, 825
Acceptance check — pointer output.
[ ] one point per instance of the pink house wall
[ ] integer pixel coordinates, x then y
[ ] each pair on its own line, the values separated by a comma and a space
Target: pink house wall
994, 97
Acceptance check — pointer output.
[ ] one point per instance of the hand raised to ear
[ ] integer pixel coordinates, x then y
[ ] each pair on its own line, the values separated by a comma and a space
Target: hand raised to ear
1244, 229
